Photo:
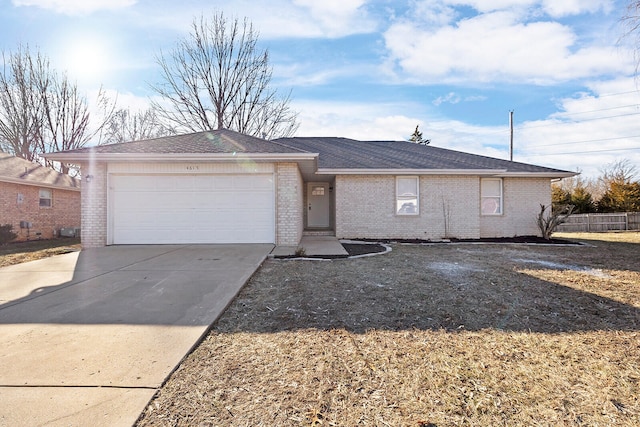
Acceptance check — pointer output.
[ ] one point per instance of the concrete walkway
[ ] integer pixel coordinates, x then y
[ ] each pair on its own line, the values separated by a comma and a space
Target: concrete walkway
87, 338
313, 246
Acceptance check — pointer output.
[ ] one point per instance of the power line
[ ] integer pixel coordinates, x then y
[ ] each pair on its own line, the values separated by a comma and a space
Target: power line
587, 140
523, 126
594, 111
619, 93
582, 152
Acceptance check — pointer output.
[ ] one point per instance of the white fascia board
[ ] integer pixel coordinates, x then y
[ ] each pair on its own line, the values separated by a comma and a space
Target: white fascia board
498, 173
559, 174
174, 157
488, 172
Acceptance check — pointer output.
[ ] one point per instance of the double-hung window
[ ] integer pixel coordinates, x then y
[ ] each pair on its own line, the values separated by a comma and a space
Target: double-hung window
45, 198
491, 196
407, 195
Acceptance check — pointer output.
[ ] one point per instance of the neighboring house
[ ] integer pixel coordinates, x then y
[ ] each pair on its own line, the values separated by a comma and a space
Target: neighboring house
36, 200
224, 187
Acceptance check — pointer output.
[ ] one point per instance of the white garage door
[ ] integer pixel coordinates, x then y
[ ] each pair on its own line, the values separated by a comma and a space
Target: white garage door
165, 209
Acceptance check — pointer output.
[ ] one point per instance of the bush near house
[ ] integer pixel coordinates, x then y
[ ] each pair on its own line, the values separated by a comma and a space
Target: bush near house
6, 234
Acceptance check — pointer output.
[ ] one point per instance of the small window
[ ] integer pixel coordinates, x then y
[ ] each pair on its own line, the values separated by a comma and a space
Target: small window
491, 196
407, 195
317, 191
45, 198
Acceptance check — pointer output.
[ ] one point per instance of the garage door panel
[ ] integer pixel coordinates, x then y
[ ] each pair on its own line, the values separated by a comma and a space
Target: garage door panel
165, 209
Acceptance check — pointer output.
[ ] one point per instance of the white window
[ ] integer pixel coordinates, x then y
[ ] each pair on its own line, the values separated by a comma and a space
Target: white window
407, 195
45, 198
491, 196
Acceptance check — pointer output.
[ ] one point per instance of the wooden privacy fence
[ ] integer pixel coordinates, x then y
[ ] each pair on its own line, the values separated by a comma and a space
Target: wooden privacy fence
601, 222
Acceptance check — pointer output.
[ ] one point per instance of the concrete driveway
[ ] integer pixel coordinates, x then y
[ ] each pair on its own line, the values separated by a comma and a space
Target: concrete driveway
87, 338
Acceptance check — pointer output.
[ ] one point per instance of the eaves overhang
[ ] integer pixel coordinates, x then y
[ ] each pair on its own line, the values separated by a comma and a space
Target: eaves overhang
38, 184
499, 173
387, 171
550, 174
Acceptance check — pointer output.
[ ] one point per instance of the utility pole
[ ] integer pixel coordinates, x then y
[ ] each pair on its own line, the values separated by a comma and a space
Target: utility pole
511, 135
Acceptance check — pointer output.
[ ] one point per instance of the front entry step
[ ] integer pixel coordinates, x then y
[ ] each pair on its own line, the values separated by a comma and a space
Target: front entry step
319, 233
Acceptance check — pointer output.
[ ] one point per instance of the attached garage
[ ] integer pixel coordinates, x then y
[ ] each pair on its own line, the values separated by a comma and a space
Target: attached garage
199, 208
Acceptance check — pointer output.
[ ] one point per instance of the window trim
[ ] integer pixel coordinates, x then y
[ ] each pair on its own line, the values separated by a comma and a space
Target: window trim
49, 199
501, 197
399, 198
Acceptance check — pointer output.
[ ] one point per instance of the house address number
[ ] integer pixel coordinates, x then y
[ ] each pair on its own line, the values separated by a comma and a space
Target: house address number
193, 167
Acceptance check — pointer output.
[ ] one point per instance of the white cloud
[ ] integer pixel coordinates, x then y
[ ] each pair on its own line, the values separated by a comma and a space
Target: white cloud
497, 46
271, 18
451, 98
354, 120
492, 5
76, 7
590, 131
337, 17
562, 8
554, 8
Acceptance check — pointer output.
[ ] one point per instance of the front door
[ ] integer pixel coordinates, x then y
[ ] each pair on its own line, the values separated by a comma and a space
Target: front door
318, 205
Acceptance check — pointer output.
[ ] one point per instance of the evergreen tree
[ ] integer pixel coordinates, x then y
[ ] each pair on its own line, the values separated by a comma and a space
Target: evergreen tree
416, 137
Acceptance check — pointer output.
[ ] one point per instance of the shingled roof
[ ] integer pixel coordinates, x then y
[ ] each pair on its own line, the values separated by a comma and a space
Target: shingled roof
344, 153
337, 155
221, 141
20, 171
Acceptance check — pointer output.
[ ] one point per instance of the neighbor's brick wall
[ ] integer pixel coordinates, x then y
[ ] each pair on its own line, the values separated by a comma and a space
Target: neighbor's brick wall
522, 199
365, 208
47, 221
94, 205
289, 204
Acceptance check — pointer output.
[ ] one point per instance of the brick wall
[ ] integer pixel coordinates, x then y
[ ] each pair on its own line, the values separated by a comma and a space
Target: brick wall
22, 203
94, 205
449, 207
522, 199
289, 204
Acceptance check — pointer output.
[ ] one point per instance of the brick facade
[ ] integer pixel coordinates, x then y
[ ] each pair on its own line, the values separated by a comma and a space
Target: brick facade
94, 205
449, 207
289, 204
19, 202
522, 199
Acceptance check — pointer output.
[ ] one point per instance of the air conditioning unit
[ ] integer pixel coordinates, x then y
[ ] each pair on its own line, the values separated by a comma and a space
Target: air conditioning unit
69, 232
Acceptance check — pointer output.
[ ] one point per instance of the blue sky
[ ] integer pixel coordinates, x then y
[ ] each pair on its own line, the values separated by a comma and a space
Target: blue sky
376, 69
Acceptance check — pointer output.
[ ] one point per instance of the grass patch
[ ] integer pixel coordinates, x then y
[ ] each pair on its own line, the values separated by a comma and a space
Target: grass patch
438, 335
19, 252
622, 236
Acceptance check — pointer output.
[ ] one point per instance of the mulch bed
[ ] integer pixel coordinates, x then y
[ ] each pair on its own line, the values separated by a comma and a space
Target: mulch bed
516, 239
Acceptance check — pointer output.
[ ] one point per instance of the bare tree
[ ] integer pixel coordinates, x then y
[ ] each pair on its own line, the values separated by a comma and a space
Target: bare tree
134, 126
622, 171
218, 78
42, 110
66, 115
20, 102
631, 22
548, 221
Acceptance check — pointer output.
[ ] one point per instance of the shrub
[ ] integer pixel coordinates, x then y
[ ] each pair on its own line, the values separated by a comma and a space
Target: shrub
549, 221
6, 234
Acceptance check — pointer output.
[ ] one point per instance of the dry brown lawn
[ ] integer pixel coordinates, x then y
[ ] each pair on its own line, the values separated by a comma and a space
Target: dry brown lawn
433, 335
19, 252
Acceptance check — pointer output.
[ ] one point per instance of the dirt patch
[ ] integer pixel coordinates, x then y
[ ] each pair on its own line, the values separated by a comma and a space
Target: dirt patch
437, 334
19, 252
